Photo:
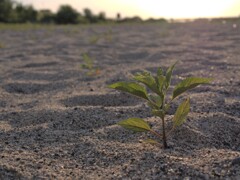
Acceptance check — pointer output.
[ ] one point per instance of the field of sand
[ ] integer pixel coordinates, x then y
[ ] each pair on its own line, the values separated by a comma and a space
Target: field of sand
58, 121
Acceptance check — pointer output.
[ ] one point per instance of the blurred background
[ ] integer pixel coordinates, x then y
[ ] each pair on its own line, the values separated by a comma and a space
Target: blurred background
95, 11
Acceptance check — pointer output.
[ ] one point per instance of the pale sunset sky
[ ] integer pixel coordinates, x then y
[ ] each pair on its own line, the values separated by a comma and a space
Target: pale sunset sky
148, 8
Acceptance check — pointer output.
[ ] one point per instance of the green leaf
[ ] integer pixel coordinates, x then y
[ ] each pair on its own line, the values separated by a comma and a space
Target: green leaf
130, 87
152, 105
169, 75
88, 61
160, 83
135, 124
156, 100
181, 113
166, 107
159, 113
189, 83
147, 79
160, 80
159, 71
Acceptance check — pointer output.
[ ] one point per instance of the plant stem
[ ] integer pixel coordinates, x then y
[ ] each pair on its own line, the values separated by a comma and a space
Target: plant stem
164, 135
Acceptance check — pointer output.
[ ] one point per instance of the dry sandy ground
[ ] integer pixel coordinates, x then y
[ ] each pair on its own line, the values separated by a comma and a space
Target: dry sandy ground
57, 122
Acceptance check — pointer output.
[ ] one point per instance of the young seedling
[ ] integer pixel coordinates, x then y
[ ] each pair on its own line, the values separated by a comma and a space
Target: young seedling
108, 35
156, 99
1, 45
94, 39
89, 65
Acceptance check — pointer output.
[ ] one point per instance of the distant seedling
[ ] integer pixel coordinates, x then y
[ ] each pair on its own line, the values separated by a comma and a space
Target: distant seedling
1, 45
89, 65
107, 36
156, 100
94, 39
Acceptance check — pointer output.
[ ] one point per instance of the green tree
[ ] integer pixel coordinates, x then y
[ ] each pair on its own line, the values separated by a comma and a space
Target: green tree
66, 15
134, 19
90, 16
25, 14
46, 16
5, 10
102, 16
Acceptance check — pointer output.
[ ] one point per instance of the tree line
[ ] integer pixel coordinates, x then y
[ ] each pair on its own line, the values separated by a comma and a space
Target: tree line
14, 12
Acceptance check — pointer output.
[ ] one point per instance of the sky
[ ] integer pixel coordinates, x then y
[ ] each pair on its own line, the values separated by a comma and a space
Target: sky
176, 9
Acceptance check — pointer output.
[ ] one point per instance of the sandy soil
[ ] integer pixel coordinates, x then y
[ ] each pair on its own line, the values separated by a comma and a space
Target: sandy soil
58, 122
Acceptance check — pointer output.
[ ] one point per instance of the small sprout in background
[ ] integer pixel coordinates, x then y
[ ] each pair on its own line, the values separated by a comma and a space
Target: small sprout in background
94, 39
2, 45
67, 31
70, 31
165, 31
164, 34
159, 86
89, 66
88, 62
33, 37
75, 31
108, 35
